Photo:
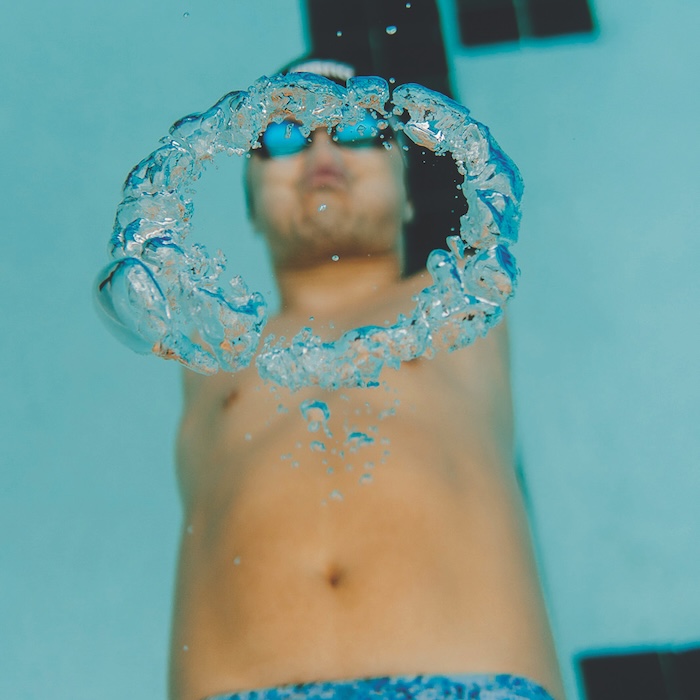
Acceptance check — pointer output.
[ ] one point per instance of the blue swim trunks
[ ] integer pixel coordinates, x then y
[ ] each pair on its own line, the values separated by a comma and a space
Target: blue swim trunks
467, 687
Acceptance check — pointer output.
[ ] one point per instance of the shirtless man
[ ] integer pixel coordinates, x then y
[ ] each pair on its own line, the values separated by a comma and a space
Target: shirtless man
403, 554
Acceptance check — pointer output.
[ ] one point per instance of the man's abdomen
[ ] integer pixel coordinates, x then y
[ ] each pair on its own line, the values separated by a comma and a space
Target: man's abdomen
291, 573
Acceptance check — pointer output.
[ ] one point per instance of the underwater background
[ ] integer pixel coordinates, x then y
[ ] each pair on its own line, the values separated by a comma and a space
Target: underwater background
605, 327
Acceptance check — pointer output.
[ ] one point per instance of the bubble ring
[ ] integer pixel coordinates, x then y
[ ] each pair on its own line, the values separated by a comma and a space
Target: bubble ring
159, 292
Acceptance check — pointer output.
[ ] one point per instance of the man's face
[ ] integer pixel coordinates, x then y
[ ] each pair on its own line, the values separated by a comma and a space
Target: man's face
329, 199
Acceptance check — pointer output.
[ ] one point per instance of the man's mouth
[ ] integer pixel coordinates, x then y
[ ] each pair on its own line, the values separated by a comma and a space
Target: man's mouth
326, 178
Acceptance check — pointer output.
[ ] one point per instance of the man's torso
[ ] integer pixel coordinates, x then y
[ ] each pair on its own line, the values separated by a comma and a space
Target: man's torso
392, 542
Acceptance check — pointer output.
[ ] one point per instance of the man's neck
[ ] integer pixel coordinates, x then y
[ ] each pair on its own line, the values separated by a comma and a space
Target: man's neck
333, 287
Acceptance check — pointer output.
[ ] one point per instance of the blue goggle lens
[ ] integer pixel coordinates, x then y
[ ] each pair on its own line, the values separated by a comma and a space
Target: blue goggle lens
362, 133
286, 138
283, 139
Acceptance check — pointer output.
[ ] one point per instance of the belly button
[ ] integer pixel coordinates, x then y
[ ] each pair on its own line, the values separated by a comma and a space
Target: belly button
334, 576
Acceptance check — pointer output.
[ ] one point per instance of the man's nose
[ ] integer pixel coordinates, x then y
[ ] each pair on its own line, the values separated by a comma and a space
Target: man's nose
322, 143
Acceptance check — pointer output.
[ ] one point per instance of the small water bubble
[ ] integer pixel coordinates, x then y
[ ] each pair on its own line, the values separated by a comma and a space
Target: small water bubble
391, 29
316, 414
356, 440
366, 479
185, 648
317, 446
369, 465
236, 561
281, 408
330, 470
392, 80
322, 207
339, 33
335, 258
185, 14
295, 464
336, 495
408, 5
248, 436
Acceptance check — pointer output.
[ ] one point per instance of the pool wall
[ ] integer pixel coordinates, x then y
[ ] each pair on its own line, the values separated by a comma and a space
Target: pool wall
605, 326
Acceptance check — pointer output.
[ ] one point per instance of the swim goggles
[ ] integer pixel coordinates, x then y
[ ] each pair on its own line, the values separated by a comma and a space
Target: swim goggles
286, 138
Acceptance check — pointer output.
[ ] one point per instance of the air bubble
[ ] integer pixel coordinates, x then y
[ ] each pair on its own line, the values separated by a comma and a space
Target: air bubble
236, 561
316, 414
159, 288
366, 479
339, 33
391, 29
356, 440
323, 207
185, 14
335, 258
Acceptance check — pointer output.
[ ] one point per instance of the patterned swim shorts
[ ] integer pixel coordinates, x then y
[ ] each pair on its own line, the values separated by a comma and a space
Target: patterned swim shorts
467, 687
